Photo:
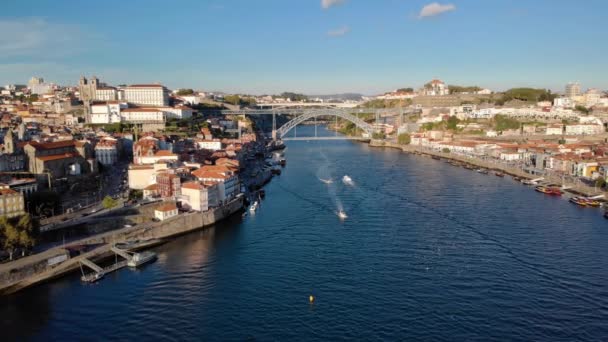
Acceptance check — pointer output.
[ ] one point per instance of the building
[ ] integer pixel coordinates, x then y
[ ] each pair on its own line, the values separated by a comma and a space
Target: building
150, 192
200, 196
147, 95
107, 112
140, 115
106, 151
11, 202
87, 89
165, 211
11, 158
584, 129
168, 185
209, 144
60, 158
228, 182
554, 129
573, 89
106, 94
436, 88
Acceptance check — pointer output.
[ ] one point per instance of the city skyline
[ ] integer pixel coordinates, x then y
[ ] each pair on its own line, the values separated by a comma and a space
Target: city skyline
312, 46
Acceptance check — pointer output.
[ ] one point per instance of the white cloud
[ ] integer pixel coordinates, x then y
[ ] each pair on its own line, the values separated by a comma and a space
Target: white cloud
338, 32
434, 9
329, 3
31, 37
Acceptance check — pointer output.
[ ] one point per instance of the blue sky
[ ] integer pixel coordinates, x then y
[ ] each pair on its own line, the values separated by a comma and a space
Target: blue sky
309, 46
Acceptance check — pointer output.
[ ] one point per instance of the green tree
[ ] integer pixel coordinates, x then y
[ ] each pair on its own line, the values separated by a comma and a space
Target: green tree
109, 203
405, 90
600, 183
136, 194
11, 236
582, 109
445, 150
452, 122
232, 99
183, 92
19, 232
378, 135
404, 139
454, 89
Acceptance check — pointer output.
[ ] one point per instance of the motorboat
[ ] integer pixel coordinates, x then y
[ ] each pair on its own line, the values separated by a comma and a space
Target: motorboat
254, 206
326, 181
499, 174
342, 215
139, 259
482, 171
347, 180
579, 201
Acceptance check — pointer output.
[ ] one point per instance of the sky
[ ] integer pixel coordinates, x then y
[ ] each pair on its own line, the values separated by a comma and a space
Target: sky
307, 46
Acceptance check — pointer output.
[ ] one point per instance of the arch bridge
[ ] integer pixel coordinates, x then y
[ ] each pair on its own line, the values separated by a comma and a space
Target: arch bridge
304, 114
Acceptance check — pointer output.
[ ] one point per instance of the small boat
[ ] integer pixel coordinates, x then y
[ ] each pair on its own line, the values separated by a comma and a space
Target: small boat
517, 179
91, 278
482, 171
553, 191
436, 157
579, 201
342, 215
262, 193
347, 180
326, 181
592, 202
499, 174
139, 259
254, 206
283, 162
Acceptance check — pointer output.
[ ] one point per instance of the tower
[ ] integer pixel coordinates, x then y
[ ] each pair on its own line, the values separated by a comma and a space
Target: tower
21, 131
9, 142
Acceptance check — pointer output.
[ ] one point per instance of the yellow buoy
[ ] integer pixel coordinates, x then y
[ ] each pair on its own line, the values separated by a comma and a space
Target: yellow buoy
311, 298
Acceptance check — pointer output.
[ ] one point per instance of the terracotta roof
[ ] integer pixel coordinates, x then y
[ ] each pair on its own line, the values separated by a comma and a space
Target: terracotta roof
57, 157
151, 187
164, 153
193, 186
51, 145
4, 192
166, 207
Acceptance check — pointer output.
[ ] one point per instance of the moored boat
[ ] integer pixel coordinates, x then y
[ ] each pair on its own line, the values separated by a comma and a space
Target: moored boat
482, 171
139, 259
499, 174
553, 191
253, 206
579, 201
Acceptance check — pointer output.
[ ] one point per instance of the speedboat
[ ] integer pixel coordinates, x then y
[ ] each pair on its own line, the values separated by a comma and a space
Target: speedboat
342, 215
326, 181
139, 259
347, 180
254, 207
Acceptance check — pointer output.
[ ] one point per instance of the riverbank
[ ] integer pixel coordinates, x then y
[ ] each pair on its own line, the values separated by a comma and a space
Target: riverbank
32, 270
578, 189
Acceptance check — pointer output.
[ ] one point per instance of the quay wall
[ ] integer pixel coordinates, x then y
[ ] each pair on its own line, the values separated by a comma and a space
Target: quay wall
34, 269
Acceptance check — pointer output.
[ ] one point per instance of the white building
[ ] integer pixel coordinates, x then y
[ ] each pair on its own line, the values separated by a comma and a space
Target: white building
207, 144
556, 129
106, 94
563, 102
106, 151
105, 113
142, 115
199, 196
573, 89
165, 211
228, 182
179, 112
147, 94
584, 129
436, 88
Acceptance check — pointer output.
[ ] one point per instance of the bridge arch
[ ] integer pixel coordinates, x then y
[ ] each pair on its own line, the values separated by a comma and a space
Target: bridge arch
283, 130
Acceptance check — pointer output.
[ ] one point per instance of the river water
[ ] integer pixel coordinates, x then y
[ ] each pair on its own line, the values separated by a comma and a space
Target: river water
429, 251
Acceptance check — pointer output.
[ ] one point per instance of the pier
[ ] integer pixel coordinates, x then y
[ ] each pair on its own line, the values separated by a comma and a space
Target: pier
98, 271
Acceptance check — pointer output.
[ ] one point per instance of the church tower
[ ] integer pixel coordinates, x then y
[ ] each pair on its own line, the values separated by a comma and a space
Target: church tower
9, 142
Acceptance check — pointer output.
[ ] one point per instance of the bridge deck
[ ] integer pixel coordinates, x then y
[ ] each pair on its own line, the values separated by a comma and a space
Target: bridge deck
323, 138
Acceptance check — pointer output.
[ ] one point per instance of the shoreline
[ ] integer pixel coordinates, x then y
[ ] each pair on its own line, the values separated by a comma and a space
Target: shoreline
514, 172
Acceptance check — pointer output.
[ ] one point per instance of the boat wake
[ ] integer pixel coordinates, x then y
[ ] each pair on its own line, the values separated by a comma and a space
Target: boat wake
326, 181
347, 180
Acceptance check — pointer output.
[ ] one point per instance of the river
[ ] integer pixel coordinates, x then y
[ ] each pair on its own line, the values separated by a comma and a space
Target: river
429, 251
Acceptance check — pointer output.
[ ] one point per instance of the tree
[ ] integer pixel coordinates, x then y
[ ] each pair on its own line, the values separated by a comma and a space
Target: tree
135, 194
183, 92
232, 99
582, 109
445, 150
109, 203
452, 122
405, 90
20, 232
404, 139
600, 183
378, 135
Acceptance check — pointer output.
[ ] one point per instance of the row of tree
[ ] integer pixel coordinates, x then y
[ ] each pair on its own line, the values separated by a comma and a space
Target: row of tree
19, 232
